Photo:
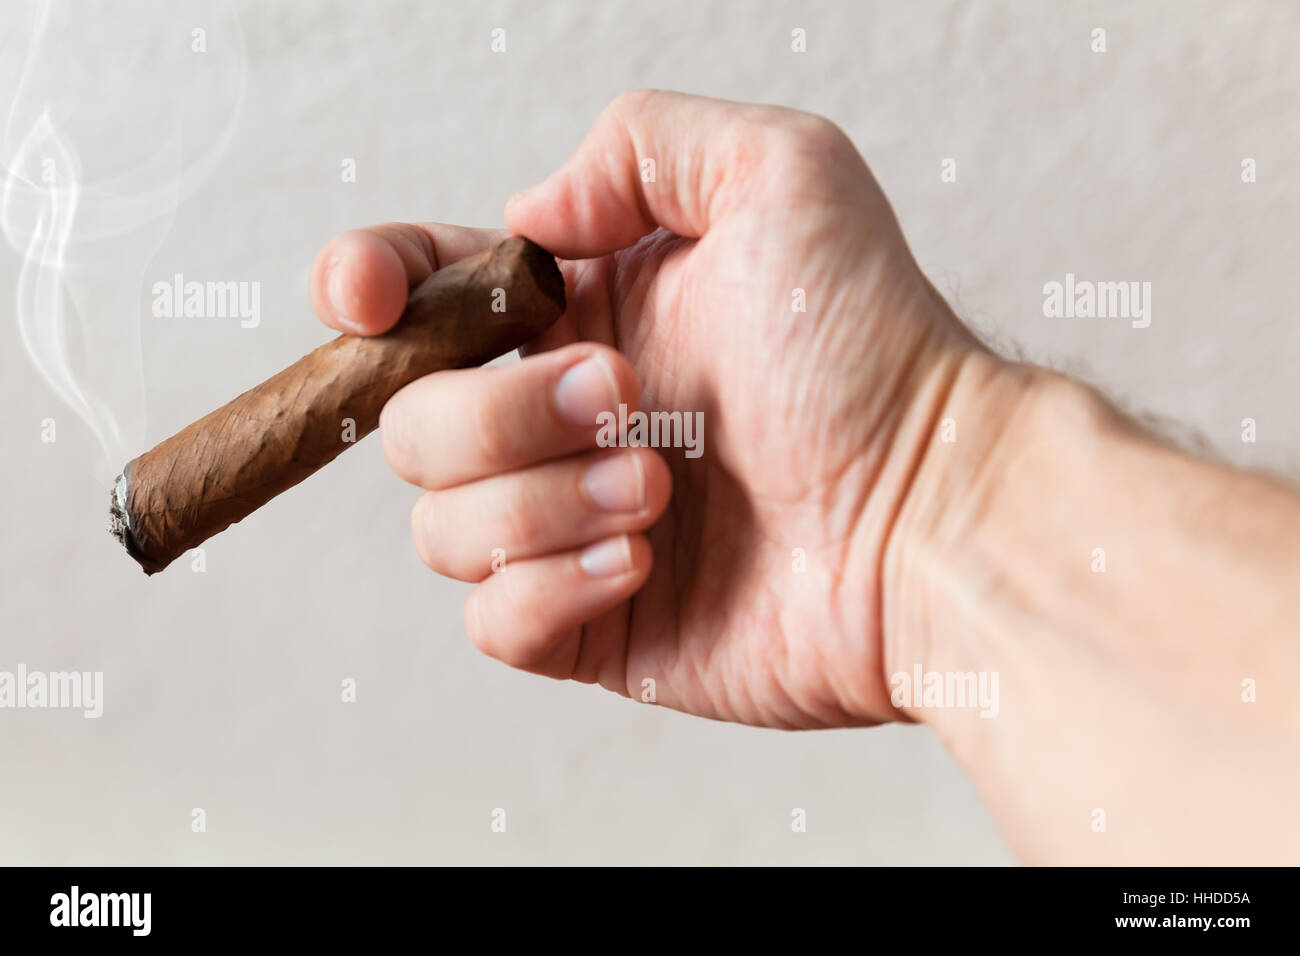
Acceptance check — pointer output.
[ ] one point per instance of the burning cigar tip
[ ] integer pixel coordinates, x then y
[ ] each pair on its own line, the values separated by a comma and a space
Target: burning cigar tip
119, 525
232, 461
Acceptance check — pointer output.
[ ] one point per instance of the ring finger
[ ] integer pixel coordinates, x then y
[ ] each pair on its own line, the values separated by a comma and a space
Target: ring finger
464, 531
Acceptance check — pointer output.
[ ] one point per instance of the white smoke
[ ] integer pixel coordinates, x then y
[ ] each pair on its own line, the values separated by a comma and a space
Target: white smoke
99, 149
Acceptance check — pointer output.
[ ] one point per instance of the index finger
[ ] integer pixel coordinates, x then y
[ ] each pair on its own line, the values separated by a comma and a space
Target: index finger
361, 278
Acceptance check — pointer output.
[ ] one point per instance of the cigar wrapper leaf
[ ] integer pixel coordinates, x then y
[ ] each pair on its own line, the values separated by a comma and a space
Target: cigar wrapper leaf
231, 462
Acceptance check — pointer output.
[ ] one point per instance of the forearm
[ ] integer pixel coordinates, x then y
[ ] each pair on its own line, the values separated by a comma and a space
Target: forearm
1123, 593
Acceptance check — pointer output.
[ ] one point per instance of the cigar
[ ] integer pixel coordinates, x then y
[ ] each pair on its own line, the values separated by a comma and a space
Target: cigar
228, 464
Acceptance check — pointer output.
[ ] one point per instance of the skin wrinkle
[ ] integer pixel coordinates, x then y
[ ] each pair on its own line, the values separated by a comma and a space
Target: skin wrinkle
611, 268
740, 180
784, 671
430, 248
975, 499
713, 537
632, 170
650, 248
623, 664
683, 578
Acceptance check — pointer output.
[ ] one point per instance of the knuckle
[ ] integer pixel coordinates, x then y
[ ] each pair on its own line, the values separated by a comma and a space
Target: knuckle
747, 155
517, 655
488, 637
516, 646
496, 447
816, 132
812, 150
521, 519
811, 141
476, 624
630, 102
423, 516
401, 451
505, 638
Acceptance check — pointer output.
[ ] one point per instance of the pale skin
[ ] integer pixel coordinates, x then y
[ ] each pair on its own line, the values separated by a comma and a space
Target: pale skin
1159, 697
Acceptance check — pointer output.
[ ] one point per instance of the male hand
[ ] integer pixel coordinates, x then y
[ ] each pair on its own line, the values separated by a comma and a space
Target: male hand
745, 583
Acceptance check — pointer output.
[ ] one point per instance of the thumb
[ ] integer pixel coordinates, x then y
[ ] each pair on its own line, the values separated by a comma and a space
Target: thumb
652, 159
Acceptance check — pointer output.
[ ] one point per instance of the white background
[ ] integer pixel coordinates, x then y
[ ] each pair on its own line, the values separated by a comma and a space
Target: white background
223, 688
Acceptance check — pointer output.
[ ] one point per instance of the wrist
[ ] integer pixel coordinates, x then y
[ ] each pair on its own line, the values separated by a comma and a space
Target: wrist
1091, 591
1006, 438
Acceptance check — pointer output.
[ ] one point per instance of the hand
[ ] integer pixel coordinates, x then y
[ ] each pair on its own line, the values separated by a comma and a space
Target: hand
631, 565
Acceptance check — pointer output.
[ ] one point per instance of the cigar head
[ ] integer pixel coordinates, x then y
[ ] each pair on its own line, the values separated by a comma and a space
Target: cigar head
540, 266
515, 292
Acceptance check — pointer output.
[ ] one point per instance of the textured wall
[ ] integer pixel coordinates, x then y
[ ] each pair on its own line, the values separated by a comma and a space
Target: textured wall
222, 688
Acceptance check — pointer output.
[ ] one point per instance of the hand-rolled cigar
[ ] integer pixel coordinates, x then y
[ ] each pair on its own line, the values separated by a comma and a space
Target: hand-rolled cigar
231, 462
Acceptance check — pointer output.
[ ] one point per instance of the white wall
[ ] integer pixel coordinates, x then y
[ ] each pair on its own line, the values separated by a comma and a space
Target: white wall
222, 688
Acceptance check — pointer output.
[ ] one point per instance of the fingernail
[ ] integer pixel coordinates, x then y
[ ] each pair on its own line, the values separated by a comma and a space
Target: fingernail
338, 296
585, 391
616, 482
607, 558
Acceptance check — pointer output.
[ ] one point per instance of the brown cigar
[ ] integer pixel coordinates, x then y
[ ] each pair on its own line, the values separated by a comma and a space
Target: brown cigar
228, 464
